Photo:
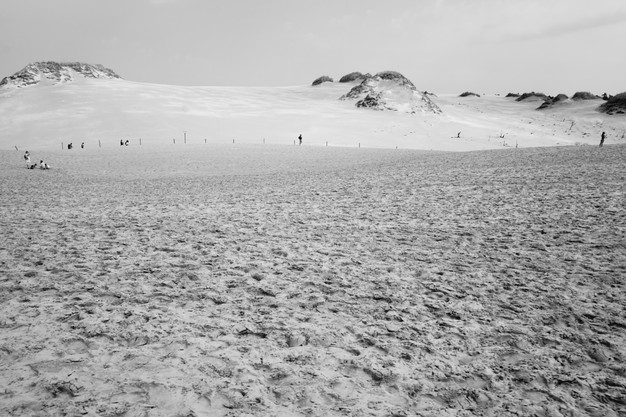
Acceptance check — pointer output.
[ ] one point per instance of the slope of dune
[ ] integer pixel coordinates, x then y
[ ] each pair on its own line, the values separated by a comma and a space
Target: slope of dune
100, 112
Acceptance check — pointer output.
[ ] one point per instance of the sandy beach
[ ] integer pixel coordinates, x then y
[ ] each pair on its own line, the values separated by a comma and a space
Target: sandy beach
313, 281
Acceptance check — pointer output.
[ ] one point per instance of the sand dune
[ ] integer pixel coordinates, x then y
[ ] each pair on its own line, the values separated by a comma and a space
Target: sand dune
101, 112
285, 281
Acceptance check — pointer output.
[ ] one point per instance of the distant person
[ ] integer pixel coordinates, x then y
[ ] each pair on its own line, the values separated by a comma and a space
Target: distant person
121, 142
82, 145
43, 165
300, 139
126, 143
69, 145
602, 138
27, 159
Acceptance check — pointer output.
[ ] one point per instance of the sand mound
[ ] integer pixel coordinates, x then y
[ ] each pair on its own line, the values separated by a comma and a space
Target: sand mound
55, 73
390, 90
585, 95
552, 101
532, 96
322, 79
614, 105
354, 76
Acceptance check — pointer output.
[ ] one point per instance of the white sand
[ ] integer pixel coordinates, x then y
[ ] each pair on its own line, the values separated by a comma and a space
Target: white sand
286, 281
104, 111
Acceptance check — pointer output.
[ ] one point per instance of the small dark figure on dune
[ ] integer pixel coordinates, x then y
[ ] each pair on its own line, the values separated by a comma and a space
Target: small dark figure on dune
602, 138
300, 139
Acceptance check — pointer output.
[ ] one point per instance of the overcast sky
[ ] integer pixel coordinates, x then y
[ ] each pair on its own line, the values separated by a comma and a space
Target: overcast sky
444, 46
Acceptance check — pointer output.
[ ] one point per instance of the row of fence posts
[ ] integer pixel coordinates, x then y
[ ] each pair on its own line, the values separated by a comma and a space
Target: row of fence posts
185, 141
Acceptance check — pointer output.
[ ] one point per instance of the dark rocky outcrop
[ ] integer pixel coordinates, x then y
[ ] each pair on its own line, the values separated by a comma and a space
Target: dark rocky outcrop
322, 79
469, 94
585, 95
532, 96
614, 105
512, 95
55, 73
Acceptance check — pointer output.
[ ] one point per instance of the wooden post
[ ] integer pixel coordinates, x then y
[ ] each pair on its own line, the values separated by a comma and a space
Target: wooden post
174, 140
139, 141
185, 137
99, 144
326, 143
61, 145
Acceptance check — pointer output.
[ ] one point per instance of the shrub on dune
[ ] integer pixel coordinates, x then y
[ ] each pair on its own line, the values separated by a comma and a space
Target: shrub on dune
614, 105
532, 96
551, 101
584, 95
322, 79
469, 94
353, 76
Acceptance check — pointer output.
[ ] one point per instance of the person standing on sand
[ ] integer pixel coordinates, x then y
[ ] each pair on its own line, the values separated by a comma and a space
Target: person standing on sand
300, 139
27, 159
602, 138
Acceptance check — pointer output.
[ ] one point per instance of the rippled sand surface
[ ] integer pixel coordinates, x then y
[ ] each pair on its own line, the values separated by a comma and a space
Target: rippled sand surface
287, 281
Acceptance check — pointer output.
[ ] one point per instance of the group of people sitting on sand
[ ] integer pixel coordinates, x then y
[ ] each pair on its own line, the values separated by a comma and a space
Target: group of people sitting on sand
30, 165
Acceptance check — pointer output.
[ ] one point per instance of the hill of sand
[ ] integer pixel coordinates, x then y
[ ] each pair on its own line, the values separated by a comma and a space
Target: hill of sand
100, 112
251, 280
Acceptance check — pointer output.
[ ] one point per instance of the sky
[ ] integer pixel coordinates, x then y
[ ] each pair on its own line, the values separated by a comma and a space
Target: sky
443, 46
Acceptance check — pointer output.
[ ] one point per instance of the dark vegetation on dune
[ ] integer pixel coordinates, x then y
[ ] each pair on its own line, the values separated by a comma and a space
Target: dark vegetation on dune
614, 105
584, 95
354, 76
551, 101
532, 96
57, 72
322, 79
